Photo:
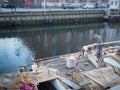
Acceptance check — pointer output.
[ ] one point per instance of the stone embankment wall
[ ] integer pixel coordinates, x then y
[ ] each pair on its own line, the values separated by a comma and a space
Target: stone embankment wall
41, 17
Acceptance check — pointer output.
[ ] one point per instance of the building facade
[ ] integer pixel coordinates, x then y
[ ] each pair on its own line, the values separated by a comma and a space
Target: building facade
76, 2
50, 3
114, 4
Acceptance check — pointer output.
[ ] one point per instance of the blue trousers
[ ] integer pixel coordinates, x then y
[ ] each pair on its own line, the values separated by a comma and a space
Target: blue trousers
99, 50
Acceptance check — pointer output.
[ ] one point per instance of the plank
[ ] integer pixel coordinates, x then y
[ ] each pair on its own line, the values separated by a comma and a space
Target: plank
105, 77
82, 80
85, 80
42, 75
112, 62
57, 84
117, 87
93, 59
104, 43
114, 56
117, 70
76, 76
71, 84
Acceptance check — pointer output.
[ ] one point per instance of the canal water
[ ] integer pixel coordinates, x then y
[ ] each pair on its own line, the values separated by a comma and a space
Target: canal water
19, 45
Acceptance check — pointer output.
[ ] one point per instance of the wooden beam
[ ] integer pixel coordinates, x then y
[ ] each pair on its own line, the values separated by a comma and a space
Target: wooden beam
93, 59
112, 62
71, 84
105, 43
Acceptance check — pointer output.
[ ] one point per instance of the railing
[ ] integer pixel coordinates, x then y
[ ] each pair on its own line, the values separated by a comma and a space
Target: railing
112, 13
107, 12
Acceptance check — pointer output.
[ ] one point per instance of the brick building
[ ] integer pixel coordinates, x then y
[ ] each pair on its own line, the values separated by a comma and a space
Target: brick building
77, 2
51, 3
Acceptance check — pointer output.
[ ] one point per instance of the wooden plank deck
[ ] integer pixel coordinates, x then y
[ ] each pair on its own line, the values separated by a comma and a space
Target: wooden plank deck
105, 77
42, 75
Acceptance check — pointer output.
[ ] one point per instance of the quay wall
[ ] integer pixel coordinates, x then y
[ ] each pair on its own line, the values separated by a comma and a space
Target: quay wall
42, 17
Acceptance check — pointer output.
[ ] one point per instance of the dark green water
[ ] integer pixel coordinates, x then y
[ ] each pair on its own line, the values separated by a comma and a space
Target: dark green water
21, 45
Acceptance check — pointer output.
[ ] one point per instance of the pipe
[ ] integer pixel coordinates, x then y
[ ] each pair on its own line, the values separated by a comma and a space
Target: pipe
56, 83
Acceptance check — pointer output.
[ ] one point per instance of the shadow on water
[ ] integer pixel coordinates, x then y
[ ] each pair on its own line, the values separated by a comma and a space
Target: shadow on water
13, 31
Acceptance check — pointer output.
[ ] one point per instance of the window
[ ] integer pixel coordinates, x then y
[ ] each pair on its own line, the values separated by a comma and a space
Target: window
93, 1
54, 0
82, 1
112, 3
115, 2
69, 1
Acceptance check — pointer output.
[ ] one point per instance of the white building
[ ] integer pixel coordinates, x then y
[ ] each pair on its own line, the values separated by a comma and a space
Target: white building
114, 4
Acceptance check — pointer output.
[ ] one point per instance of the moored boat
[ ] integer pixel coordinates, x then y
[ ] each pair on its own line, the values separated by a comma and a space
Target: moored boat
90, 72
76, 71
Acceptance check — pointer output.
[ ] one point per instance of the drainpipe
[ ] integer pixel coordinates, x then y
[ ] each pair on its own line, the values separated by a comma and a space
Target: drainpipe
44, 9
35, 1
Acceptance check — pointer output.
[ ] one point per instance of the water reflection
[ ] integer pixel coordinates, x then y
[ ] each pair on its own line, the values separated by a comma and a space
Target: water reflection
13, 53
19, 45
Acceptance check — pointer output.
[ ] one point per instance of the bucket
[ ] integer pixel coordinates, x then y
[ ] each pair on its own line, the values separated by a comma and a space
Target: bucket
71, 62
21, 69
